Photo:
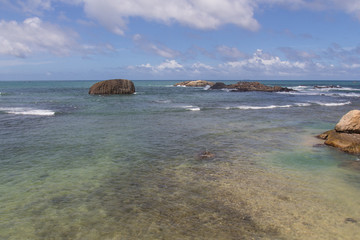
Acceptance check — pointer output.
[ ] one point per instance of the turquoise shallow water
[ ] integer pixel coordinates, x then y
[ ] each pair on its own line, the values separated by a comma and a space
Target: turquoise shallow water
75, 166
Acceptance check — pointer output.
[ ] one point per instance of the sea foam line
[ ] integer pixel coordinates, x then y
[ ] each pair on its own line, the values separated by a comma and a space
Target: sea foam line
333, 104
28, 111
307, 104
259, 107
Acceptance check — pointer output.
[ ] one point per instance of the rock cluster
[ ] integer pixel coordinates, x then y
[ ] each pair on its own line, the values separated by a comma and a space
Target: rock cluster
196, 83
113, 86
250, 86
346, 135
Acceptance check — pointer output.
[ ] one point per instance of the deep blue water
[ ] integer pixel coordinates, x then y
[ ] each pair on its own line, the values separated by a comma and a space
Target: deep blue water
76, 166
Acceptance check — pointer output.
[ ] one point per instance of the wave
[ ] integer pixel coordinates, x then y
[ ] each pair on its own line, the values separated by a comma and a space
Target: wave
332, 104
329, 91
207, 87
191, 108
322, 93
301, 104
259, 107
163, 101
28, 111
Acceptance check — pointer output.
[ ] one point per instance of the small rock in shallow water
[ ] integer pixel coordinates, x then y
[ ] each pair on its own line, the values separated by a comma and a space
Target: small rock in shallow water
206, 155
350, 220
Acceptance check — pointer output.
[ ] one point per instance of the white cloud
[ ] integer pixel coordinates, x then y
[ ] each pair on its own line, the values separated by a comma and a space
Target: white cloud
166, 66
32, 36
298, 55
264, 63
230, 52
199, 65
169, 64
150, 47
200, 14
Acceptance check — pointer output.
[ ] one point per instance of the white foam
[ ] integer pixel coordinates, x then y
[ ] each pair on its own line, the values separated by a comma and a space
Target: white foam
28, 111
333, 104
260, 107
207, 87
345, 89
192, 108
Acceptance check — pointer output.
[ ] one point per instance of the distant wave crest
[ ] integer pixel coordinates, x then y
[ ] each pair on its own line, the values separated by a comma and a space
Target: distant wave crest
28, 111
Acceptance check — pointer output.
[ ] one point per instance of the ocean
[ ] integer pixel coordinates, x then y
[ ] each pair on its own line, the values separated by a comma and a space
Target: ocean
78, 166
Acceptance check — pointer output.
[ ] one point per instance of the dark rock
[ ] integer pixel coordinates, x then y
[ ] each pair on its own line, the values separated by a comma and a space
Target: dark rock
114, 86
250, 86
350, 220
219, 85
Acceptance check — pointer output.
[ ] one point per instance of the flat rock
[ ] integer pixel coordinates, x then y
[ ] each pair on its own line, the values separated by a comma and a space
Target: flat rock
196, 83
347, 142
250, 86
113, 86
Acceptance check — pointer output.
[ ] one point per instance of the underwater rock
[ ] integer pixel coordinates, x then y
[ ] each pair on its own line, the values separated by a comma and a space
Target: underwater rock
206, 155
195, 83
350, 220
346, 135
113, 86
251, 86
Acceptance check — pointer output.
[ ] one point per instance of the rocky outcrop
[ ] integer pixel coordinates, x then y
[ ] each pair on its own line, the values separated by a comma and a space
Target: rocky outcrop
196, 83
349, 123
346, 135
250, 86
114, 86
219, 85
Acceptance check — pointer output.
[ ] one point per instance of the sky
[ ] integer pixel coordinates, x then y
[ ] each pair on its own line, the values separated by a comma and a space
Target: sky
180, 39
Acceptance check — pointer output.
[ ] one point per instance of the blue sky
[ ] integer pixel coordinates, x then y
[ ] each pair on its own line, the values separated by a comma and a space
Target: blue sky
179, 39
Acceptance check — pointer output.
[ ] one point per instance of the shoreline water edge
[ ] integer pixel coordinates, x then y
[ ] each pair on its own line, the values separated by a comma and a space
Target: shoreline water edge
171, 162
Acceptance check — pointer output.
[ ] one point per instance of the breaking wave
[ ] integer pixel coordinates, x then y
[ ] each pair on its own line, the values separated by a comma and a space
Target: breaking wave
28, 111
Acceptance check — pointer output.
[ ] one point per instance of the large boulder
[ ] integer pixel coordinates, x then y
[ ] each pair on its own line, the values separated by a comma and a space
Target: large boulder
346, 135
195, 83
349, 123
250, 86
113, 86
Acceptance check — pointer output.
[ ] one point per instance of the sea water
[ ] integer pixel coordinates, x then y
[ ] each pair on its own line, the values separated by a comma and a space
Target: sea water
78, 166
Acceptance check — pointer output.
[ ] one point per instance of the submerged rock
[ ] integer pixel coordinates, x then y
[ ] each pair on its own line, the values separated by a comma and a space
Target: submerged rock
250, 86
113, 86
196, 83
346, 135
206, 155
